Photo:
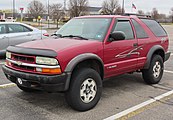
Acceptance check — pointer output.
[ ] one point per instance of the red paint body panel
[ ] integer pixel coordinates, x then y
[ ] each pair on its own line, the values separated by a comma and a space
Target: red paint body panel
111, 53
67, 49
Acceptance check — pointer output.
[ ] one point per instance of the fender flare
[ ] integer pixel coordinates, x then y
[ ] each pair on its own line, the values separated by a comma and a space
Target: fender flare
150, 54
76, 60
86, 56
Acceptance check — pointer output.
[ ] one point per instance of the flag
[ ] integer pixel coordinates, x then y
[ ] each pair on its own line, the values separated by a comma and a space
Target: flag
133, 6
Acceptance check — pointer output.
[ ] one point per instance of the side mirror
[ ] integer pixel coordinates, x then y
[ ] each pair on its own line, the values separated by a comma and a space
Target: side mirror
118, 35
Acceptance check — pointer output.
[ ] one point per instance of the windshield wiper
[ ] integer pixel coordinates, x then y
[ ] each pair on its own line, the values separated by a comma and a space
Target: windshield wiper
72, 36
57, 35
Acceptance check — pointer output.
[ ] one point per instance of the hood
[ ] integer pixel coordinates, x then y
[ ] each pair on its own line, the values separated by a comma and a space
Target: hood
56, 44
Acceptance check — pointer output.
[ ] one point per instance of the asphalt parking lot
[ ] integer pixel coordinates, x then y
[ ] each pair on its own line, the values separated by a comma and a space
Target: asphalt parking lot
121, 97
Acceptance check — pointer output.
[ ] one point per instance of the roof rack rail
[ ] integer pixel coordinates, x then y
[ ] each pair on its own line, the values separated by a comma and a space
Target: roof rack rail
138, 15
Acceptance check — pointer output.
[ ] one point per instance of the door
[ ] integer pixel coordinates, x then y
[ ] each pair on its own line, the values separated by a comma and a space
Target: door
143, 42
3, 38
121, 56
19, 34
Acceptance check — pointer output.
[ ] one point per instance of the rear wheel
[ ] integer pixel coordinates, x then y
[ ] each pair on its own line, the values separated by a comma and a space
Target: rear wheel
154, 73
85, 89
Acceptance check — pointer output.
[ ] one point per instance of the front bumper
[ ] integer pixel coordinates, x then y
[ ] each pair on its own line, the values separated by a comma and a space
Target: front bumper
167, 55
53, 83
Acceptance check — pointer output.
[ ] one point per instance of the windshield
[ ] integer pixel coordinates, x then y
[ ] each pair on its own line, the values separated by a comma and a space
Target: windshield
89, 28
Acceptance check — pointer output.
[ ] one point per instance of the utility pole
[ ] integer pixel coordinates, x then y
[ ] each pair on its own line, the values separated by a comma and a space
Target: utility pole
64, 15
48, 14
123, 7
13, 9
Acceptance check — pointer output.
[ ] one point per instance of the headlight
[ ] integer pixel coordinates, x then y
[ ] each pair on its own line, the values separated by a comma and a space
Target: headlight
8, 55
46, 61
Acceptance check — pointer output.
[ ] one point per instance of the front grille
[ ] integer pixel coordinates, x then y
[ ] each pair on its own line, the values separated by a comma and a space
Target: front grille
26, 63
22, 58
23, 67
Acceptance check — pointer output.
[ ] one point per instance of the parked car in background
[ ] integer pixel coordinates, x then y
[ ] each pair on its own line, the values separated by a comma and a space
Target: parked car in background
15, 33
10, 19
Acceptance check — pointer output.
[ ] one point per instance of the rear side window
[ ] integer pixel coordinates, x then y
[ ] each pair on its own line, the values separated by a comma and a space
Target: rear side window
155, 27
26, 29
140, 32
16, 28
125, 26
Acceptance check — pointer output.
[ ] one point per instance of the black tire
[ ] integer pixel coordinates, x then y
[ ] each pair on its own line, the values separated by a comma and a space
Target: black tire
149, 75
73, 95
25, 89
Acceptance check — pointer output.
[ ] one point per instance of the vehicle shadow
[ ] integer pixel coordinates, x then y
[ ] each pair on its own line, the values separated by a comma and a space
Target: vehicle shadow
55, 102
122, 83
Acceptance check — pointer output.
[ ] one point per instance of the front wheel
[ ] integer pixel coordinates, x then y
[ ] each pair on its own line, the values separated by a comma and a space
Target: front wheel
154, 74
85, 89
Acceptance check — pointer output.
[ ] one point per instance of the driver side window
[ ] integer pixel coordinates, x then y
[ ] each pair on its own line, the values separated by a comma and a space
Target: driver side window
125, 26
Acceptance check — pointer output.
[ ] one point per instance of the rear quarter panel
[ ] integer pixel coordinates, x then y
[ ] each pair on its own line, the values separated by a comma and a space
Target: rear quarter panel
148, 43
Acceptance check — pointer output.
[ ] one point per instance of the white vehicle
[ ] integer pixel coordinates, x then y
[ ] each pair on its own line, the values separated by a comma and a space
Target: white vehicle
13, 33
10, 19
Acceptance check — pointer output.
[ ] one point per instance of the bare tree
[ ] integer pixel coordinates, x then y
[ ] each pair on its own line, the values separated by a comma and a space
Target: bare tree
155, 14
77, 7
162, 16
36, 8
56, 12
140, 12
110, 6
148, 13
119, 10
172, 14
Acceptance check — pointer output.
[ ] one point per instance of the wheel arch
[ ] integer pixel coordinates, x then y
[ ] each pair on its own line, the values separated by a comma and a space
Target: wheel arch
157, 49
88, 59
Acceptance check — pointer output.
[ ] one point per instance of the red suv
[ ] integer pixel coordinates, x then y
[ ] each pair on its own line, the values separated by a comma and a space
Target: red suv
84, 52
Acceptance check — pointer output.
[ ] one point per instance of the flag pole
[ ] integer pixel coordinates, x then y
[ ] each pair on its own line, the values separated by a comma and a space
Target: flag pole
132, 8
123, 7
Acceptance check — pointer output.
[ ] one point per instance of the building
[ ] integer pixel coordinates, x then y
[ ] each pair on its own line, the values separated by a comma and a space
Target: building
94, 10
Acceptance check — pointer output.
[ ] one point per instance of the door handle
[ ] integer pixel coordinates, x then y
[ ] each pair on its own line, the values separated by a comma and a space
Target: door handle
28, 34
135, 45
4, 37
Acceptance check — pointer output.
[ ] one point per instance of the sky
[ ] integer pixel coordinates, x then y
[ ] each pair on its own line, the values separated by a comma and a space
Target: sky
163, 6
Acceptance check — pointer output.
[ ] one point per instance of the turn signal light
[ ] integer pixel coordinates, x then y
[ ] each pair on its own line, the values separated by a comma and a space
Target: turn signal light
8, 63
49, 70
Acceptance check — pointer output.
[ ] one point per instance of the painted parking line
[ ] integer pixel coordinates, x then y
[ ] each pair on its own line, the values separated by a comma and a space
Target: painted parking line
167, 71
141, 107
7, 85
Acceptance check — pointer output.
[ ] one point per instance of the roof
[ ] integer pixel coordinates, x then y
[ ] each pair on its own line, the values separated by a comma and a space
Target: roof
105, 16
115, 16
10, 23
97, 16
137, 15
18, 23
